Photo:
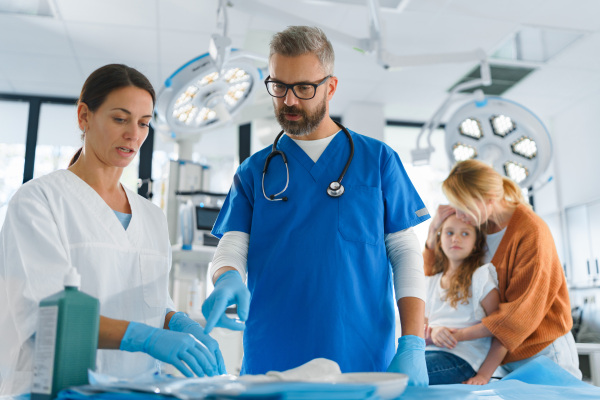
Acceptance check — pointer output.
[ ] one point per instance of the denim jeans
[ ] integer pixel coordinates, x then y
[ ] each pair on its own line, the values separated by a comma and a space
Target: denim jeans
446, 368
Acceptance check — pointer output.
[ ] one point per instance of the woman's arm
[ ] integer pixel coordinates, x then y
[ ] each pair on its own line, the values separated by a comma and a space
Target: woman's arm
490, 303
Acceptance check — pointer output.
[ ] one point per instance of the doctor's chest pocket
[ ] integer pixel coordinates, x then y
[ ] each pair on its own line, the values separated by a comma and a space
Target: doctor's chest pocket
154, 270
361, 214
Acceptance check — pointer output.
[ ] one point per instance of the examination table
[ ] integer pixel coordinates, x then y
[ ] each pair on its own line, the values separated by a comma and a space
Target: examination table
539, 379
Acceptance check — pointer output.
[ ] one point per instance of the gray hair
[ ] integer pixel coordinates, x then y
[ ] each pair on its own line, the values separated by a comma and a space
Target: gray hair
298, 40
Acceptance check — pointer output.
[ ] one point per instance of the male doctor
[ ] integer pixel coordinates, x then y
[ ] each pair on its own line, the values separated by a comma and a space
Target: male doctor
317, 264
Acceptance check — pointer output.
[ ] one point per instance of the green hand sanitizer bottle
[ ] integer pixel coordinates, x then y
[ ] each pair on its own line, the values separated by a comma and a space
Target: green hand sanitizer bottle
66, 339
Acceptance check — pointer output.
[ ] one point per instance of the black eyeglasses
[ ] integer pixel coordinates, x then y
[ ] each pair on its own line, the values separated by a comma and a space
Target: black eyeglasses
302, 90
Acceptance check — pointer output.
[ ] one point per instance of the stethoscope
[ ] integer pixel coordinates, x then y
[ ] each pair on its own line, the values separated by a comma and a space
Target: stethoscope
335, 188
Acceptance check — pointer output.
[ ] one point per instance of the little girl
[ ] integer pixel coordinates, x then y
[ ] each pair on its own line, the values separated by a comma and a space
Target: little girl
460, 349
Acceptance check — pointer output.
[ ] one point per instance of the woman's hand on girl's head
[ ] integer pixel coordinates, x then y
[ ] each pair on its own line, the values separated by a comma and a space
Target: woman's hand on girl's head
443, 337
443, 212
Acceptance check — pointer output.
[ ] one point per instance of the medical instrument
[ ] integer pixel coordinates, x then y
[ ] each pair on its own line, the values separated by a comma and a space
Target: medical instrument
335, 188
66, 339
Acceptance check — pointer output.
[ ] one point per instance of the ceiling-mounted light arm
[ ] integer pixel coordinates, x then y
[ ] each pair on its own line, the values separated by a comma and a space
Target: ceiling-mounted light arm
219, 47
421, 155
250, 6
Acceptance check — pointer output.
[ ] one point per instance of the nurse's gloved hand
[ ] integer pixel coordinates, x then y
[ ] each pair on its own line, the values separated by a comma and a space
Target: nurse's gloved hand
180, 322
229, 290
410, 360
179, 349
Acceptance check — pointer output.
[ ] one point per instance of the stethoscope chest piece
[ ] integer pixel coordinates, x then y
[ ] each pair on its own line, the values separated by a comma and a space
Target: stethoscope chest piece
335, 189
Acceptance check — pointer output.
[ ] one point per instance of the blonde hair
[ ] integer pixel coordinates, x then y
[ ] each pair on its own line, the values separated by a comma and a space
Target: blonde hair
472, 183
459, 287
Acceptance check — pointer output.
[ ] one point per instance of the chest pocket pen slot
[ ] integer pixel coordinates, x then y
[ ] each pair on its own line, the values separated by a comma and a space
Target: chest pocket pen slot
361, 214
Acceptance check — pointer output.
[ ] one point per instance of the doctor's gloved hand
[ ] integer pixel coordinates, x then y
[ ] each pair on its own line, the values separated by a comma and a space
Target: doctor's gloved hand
229, 290
180, 322
410, 360
182, 350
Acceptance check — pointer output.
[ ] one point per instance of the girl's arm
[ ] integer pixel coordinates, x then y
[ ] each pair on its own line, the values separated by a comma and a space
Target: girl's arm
492, 361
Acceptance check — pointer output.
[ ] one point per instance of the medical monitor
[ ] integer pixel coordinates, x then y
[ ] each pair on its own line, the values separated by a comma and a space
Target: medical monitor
206, 217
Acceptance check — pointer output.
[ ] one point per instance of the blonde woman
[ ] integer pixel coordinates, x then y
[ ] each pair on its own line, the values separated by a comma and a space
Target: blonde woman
534, 317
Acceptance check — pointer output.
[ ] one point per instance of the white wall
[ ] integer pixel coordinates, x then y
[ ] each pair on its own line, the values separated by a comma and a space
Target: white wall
576, 135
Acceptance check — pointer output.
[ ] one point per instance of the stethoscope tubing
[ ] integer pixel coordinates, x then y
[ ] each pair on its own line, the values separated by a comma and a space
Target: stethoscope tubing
335, 188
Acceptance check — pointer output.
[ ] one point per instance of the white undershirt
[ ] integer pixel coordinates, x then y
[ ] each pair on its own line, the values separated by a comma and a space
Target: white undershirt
493, 241
314, 148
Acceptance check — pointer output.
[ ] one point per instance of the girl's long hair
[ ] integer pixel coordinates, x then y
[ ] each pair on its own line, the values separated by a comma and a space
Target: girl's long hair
460, 283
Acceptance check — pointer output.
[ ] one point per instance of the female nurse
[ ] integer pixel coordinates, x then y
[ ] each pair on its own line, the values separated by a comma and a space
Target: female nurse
534, 318
118, 241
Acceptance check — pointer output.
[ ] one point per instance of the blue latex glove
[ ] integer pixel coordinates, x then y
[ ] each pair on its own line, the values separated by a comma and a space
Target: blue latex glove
180, 322
410, 360
179, 349
229, 290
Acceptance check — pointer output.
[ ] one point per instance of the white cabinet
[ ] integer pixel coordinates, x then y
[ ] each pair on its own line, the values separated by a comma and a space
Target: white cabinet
583, 230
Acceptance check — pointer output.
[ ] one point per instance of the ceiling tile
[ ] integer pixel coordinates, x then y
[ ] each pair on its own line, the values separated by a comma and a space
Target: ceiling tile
583, 54
46, 88
113, 42
130, 13
40, 69
34, 35
5, 86
188, 15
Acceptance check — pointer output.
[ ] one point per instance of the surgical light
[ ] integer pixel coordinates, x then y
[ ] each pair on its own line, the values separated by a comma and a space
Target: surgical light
200, 96
502, 125
470, 127
525, 147
513, 140
463, 152
515, 171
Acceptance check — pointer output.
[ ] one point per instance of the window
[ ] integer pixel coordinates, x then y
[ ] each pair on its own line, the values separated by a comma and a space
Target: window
427, 179
13, 134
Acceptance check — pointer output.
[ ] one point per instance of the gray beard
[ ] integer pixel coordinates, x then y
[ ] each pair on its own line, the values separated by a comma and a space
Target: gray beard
306, 125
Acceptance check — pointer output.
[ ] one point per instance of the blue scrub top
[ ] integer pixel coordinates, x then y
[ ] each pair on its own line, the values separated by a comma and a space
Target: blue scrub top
318, 271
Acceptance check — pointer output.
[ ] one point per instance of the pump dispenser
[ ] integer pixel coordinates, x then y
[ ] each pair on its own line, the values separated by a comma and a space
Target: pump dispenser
66, 339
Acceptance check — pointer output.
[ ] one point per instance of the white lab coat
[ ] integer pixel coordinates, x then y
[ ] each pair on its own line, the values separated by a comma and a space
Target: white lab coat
58, 221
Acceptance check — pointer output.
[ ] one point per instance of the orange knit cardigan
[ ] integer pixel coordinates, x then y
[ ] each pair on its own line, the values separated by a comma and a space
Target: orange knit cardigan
534, 299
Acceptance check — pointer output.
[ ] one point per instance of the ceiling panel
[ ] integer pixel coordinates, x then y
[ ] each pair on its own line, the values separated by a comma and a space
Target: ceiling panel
53, 56
113, 42
129, 13
583, 54
34, 35
188, 15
